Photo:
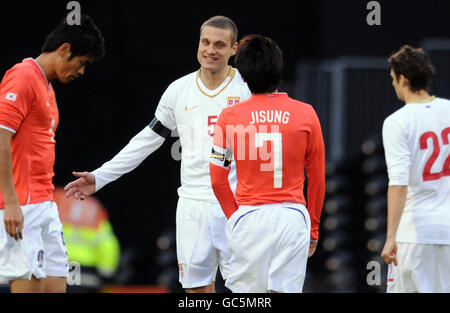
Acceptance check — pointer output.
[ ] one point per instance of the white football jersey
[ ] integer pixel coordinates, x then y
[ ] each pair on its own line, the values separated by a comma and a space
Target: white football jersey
192, 109
417, 150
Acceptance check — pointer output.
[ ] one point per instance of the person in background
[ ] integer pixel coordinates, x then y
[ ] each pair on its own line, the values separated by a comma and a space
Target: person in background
90, 242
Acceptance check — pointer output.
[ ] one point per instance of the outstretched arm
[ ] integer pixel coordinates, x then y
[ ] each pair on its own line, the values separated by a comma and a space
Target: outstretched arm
137, 150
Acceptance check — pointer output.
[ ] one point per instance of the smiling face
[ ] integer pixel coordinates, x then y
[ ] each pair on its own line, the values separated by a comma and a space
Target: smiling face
66, 68
215, 48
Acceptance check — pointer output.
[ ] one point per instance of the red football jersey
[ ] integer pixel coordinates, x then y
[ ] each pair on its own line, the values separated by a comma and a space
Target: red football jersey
273, 139
28, 109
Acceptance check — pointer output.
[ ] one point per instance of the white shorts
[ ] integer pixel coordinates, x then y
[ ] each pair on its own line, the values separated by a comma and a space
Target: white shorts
41, 252
201, 242
269, 247
421, 268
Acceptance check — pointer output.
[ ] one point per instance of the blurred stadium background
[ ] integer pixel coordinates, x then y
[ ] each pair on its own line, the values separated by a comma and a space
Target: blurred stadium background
334, 60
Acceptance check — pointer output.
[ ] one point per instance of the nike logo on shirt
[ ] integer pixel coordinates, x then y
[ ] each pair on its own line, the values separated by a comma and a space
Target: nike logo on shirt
189, 109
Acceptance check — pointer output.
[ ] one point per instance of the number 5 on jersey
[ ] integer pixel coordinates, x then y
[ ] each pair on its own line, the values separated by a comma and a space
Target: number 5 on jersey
212, 121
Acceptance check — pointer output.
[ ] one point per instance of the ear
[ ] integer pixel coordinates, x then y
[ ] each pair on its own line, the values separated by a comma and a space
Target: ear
234, 48
65, 50
403, 81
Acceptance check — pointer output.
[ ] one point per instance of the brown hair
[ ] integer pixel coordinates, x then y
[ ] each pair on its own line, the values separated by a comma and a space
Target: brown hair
414, 65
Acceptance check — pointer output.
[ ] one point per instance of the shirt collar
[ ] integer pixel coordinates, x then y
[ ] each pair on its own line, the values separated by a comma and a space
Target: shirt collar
36, 64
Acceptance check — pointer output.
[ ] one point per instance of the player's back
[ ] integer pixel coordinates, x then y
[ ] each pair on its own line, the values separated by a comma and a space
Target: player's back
423, 155
273, 135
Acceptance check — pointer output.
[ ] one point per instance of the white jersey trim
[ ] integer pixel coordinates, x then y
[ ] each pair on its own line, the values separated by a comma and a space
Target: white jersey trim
8, 129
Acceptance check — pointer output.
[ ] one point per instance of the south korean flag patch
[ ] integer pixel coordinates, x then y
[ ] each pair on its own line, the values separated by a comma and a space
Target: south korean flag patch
11, 96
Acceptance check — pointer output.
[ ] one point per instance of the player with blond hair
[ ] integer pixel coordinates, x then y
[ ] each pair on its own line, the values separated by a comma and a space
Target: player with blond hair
191, 105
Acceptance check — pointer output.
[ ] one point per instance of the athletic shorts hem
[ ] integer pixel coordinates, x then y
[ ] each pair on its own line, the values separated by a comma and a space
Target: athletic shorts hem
56, 274
280, 289
7, 280
426, 242
195, 285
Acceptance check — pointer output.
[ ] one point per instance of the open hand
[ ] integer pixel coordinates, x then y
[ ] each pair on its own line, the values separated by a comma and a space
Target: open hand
81, 188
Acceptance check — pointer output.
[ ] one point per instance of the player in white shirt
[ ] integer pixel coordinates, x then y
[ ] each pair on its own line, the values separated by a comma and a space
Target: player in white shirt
417, 150
191, 105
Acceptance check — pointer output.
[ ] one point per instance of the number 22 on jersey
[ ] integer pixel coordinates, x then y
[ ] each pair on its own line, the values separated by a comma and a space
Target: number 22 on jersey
427, 175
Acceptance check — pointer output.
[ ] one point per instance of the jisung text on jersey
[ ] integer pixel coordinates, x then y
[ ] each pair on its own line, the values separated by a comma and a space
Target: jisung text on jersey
270, 116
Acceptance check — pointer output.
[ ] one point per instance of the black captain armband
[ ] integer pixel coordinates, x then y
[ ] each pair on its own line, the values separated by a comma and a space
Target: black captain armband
222, 159
159, 128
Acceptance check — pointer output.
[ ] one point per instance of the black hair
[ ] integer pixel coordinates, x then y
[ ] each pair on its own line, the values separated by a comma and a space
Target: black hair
84, 39
260, 61
414, 65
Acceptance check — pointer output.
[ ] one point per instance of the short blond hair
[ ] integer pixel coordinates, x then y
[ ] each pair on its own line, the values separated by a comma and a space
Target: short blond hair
222, 22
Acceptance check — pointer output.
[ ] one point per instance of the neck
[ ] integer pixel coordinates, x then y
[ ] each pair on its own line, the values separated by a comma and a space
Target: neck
213, 80
46, 63
421, 96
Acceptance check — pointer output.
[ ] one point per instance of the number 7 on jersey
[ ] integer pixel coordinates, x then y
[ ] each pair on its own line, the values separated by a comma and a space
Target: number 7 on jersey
277, 140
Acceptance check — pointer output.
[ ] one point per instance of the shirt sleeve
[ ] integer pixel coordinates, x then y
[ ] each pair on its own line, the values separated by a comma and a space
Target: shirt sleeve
133, 154
165, 110
315, 169
397, 153
219, 167
15, 95
141, 146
